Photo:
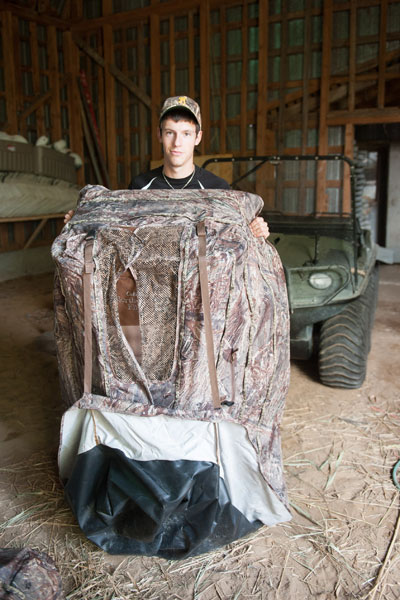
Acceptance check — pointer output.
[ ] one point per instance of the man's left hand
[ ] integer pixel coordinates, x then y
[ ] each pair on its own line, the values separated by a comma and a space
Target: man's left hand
259, 227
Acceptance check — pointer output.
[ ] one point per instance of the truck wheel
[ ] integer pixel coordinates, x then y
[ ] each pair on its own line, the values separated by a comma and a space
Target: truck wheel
345, 340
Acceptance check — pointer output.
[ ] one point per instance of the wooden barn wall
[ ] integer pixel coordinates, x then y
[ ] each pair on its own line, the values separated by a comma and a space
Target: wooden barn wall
290, 76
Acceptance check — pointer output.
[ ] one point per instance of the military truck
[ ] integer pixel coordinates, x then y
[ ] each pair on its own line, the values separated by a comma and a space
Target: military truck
328, 255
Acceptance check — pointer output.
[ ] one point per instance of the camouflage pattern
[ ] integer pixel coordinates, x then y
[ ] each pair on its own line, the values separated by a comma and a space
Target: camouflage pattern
182, 102
155, 232
29, 575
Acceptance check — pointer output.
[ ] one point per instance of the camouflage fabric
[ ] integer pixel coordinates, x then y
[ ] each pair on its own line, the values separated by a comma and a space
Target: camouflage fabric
154, 233
181, 102
26, 574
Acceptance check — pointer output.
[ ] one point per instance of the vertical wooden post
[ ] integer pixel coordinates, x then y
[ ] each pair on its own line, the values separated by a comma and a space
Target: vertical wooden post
55, 109
205, 73
322, 201
191, 41
305, 105
141, 108
243, 83
352, 58
262, 77
40, 126
71, 59
155, 83
172, 65
348, 151
265, 137
10, 72
109, 106
222, 139
382, 54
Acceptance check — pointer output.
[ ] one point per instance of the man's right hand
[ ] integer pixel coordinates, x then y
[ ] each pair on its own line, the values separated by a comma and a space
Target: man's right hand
68, 216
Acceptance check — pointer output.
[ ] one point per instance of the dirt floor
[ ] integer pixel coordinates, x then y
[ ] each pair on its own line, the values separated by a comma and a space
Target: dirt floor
339, 450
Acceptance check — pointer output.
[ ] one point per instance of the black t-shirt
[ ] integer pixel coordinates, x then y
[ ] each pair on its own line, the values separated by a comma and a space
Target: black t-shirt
202, 179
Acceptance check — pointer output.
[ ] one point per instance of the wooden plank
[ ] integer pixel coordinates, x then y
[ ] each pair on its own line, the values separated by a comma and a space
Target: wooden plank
109, 110
352, 58
222, 135
243, 83
36, 104
262, 96
90, 141
102, 89
71, 62
322, 200
32, 15
348, 151
143, 159
107, 6
55, 106
10, 73
172, 65
122, 78
32, 218
35, 69
364, 116
35, 233
126, 134
205, 74
307, 44
382, 53
283, 76
155, 104
192, 66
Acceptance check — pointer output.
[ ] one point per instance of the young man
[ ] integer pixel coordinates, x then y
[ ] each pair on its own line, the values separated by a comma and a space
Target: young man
179, 133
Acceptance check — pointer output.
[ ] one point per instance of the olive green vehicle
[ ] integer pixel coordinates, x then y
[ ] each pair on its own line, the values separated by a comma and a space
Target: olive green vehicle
329, 259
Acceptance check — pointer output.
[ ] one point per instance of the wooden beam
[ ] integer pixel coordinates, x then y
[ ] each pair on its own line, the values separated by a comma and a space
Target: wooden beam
364, 116
244, 79
172, 65
155, 105
37, 103
262, 94
205, 69
192, 66
32, 15
222, 135
348, 151
71, 60
109, 111
322, 201
143, 111
55, 106
382, 53
35, 233
32, 218
10, 72
307, 43
122, 78
352, 59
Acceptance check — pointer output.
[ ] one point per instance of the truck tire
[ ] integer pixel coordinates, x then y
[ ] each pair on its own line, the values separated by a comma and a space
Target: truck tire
345, 340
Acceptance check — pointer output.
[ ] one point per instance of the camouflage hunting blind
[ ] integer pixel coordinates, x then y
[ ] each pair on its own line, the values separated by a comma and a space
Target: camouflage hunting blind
172, 334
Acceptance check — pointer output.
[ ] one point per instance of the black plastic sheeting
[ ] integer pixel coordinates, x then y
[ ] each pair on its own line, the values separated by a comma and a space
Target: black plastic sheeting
171, 509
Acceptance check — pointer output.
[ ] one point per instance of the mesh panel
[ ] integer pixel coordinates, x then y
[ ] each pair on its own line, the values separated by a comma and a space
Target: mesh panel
156, 271
153, 255
116, 247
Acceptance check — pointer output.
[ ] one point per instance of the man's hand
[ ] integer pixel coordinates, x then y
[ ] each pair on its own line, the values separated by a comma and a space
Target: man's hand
259, 227
68, 216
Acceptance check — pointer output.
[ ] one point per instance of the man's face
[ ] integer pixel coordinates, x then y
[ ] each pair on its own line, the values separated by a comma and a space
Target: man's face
178, 140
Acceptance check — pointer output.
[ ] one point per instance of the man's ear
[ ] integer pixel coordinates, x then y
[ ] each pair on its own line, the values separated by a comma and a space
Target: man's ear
198, 138
159, 134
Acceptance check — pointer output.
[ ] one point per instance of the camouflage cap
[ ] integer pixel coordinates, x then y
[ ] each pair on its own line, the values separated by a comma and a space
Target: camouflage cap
182, 102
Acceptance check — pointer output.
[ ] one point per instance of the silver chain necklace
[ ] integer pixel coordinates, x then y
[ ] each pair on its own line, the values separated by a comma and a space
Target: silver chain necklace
183, 187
